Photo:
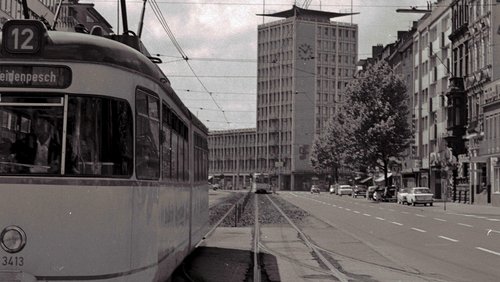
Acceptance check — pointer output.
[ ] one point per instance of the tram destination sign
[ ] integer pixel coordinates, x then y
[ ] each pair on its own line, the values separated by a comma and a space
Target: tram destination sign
35, 76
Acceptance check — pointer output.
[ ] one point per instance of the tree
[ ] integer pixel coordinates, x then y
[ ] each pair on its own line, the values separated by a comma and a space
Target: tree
376, 99
330, 149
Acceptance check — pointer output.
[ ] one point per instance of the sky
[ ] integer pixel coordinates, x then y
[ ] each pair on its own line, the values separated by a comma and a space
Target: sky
218, 82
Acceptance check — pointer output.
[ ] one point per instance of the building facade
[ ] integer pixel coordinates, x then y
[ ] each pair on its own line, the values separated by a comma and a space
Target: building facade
71, 14
232, 157
432, 56
305, 61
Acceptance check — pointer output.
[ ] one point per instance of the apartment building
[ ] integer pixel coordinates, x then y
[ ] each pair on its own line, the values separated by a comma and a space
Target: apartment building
71, 14
432, 53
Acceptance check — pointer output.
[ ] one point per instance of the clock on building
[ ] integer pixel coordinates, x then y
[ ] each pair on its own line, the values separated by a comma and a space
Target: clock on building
305, 52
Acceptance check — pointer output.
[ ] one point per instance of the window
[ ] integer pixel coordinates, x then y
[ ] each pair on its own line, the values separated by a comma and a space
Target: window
98, 138
147, 136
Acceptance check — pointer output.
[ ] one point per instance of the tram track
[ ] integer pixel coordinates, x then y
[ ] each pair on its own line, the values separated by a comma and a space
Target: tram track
271, 241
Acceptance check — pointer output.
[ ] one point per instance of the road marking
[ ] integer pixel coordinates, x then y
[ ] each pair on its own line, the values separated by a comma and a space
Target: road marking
347, 209
340, 207
463, 224
419, 230
356, 212
439, 219
420, 215
397, 223
365, 214
449, 239
491, 231
379, 218
488, 251
493, 219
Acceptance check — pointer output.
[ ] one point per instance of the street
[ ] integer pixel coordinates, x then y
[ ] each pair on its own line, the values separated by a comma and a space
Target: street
459, 244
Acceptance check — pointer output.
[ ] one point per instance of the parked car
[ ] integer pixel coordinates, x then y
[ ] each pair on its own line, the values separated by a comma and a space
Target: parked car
385, 194
315, 189
369, 192
420, 195
344, 190
401, 196
359, 190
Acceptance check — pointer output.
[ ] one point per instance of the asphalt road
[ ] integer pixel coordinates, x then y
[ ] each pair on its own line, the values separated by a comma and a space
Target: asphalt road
391, 242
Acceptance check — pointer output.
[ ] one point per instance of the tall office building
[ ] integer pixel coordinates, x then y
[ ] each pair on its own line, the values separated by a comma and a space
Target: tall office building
305, 61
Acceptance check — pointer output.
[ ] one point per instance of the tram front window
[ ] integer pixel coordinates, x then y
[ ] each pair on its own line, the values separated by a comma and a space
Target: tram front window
98, 140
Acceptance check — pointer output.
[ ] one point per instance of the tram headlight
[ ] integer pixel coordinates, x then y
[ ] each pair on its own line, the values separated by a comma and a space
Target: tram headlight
13, 239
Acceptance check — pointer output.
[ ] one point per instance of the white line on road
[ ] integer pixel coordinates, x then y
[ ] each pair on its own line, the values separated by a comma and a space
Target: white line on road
488, 251
419, 230
449, 239
347, 209
397, 223
379, 218
463, 224
493, 219
490, 231
365, 214
420, 215
439, 219
356, 212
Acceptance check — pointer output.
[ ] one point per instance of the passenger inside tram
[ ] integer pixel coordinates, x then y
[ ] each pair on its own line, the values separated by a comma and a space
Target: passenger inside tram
39, 150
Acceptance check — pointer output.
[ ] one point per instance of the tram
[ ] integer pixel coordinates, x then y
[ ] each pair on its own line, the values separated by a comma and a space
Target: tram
103, 170
261, 182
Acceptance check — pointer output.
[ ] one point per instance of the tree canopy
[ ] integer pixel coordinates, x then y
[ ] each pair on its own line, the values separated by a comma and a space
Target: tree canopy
371, 127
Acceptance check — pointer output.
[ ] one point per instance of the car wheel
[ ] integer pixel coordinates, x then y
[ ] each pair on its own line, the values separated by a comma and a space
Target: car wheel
412, 203
430, 204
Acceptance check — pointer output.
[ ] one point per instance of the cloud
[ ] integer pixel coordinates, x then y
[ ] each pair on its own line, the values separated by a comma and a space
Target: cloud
214, 29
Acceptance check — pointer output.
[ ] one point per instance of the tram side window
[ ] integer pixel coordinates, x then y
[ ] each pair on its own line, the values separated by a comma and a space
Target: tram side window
175, 157
147, 136
166, 148
99, 137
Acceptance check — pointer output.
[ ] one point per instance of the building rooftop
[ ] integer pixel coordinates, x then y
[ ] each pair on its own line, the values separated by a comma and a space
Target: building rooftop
297, 12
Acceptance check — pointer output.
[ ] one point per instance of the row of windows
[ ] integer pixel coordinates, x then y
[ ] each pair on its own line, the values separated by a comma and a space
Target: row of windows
326, 31
160, 145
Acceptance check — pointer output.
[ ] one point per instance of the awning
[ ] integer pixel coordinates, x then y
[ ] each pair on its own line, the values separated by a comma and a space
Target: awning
365, 180
382, 177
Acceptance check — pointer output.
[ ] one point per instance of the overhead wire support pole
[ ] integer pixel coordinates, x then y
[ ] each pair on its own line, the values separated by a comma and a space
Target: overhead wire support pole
25, 9
56, 15
141, 23
124, 16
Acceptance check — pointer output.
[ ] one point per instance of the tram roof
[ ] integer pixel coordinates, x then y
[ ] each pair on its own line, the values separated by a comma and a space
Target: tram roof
73, 46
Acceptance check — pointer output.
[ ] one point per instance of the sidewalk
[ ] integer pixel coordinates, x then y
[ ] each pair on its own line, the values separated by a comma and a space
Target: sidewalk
473, 209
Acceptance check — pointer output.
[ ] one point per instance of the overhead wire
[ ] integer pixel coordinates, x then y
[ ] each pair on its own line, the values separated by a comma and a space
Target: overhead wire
163, 22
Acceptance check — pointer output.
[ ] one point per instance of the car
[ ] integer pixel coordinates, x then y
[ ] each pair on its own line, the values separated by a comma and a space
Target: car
385, 194
420, 195
369, 192
359, 190
401, 196
315, 189
215, 186
344, 190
